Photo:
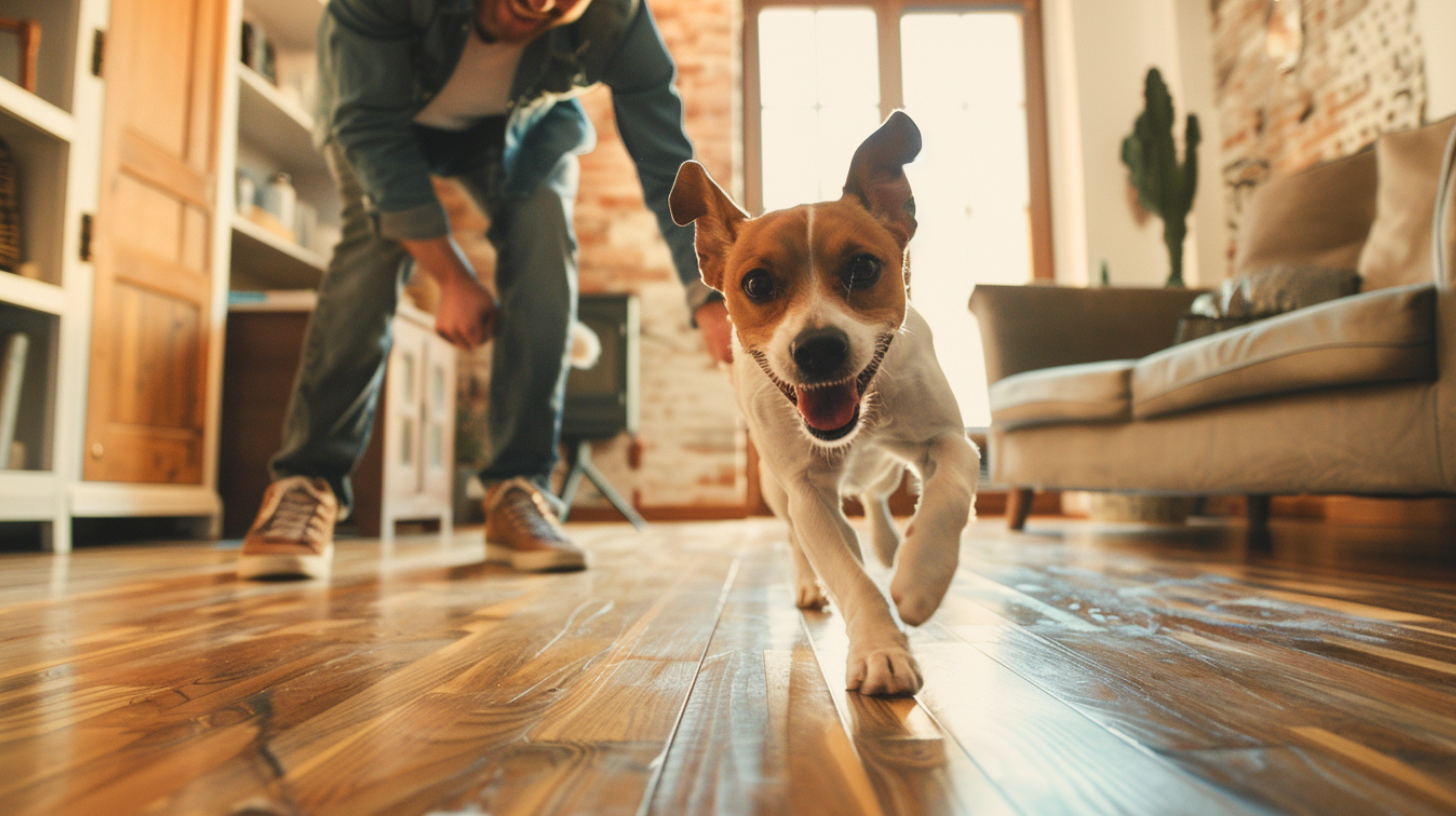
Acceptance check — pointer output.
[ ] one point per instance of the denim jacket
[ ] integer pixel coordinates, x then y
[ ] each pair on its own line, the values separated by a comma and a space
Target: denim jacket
382, 61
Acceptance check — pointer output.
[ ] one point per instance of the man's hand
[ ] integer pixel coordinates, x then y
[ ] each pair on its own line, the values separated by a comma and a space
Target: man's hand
467, 311
717, 330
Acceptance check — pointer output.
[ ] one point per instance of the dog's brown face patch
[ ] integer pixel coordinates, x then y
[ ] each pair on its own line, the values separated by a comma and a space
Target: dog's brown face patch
836, 250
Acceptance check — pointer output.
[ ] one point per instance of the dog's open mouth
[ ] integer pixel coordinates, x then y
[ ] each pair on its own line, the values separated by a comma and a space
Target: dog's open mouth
830, 410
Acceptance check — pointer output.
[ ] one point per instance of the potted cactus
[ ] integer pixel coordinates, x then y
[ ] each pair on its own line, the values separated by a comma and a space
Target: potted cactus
1164, 187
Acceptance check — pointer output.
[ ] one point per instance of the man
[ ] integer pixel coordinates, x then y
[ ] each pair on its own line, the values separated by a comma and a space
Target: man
482, 91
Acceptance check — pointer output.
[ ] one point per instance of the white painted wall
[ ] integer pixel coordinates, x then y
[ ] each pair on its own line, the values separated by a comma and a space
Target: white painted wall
1438, 38
1097, 58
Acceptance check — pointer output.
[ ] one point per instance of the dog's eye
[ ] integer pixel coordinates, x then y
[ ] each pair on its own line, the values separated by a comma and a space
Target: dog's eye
862, 272
758, 286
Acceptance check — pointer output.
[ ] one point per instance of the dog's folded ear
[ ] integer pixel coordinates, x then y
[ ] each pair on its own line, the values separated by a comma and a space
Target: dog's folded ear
697, 199
877, 174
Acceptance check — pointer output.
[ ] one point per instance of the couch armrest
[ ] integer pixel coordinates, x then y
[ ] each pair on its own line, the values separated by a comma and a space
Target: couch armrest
1024, 328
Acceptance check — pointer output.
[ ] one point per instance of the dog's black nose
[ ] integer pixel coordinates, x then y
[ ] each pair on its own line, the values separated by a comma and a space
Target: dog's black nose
820, 353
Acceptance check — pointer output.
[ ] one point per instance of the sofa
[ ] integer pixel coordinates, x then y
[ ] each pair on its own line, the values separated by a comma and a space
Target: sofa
1352, 396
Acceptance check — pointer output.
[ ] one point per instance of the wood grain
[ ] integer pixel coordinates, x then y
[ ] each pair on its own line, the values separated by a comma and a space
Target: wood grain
1084, 669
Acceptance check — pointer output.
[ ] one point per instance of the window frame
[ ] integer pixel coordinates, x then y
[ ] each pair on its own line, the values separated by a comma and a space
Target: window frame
887, 21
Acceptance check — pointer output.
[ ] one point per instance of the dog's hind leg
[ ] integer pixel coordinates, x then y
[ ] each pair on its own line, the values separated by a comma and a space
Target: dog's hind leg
884, 534
808, 594
949, 467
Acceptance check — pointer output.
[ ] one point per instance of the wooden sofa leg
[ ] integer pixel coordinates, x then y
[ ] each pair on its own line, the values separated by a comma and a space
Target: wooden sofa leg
1018, 507
1258, 515
1258, 510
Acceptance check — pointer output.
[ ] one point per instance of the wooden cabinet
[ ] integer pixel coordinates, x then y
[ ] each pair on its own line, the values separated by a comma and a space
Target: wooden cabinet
407, 471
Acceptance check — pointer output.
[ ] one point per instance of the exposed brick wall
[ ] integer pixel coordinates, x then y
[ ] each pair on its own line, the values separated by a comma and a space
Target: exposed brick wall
691, 447
1361, 73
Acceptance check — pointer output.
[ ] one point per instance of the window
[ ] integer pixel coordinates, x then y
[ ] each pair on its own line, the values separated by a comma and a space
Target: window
819, 78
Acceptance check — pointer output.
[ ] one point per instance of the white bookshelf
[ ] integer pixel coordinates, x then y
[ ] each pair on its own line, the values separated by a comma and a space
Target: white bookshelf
275, 124
273, 132
277, 262
36, 295
54, 135
30, 109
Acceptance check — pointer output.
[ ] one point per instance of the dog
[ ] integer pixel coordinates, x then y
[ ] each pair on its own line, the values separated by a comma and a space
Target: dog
835, 373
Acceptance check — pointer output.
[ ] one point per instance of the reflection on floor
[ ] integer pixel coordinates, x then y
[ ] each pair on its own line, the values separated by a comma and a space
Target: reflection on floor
1074, 669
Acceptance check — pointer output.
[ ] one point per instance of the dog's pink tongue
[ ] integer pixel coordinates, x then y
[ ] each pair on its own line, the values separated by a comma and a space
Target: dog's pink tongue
829, 408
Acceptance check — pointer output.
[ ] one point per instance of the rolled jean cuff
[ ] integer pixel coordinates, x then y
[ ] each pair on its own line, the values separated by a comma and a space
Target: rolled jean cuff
698, 294
414, 224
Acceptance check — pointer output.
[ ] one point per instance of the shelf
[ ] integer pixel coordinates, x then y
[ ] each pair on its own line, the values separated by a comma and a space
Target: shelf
277, 263
31, 294
36, 112
274, 124
289, 22
29, 495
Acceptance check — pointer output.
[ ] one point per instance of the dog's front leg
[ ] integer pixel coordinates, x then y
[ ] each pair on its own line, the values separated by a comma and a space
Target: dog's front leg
879, 654
949, 468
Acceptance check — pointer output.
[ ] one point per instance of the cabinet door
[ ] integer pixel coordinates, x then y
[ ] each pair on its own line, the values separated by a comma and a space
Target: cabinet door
403, 441
146, 408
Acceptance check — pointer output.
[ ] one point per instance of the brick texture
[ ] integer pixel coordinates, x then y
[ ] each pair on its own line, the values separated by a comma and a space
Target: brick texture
1361, 73
691, 448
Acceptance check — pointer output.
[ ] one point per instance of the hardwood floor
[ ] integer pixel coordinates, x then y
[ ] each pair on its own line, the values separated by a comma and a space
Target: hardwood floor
1073, 669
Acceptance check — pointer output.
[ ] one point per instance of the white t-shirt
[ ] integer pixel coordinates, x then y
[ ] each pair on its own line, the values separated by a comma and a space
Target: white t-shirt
479, 87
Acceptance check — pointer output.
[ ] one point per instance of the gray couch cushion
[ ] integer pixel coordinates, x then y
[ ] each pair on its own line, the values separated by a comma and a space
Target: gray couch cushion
1088, 392
1382, 336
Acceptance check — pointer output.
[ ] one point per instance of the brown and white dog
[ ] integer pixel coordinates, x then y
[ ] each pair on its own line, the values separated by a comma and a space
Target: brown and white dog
836, 375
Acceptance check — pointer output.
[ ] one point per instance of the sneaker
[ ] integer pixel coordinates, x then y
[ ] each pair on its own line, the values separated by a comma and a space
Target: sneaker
521, 530
293, 536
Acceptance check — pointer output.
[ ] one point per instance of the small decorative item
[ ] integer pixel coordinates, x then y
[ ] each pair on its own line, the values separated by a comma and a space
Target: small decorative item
13, 350
27, 32
10, 224
257, 51
247, 193
1164, 187
279, 199
1284, 33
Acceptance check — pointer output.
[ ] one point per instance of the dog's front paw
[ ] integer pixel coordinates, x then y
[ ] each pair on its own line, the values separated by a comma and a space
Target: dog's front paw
808, 594
888, 671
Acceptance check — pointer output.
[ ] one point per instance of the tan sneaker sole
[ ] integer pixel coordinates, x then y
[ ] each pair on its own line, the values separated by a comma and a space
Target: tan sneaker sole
535, 560
286, 566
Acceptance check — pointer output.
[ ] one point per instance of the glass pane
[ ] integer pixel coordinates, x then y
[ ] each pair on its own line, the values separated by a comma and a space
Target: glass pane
965, 87
820, 92
407, 373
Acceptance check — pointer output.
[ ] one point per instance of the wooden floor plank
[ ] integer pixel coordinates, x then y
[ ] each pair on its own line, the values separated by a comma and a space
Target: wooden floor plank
1078, 669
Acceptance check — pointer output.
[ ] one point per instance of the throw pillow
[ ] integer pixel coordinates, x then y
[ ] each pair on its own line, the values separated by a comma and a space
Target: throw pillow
1398, 251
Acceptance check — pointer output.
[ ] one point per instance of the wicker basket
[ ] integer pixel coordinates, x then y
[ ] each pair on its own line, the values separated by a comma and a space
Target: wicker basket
10, 248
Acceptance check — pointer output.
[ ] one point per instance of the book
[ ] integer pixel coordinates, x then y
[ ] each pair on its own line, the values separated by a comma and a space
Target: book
13, 350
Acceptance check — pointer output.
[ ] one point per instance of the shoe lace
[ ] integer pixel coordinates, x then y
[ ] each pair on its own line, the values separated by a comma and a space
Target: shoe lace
293, 518
528, 513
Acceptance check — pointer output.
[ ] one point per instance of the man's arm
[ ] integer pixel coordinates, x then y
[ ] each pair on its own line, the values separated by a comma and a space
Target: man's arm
366, 56
467, 311
365, 50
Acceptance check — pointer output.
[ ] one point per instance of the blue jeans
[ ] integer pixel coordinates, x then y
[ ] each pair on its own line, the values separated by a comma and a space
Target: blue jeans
347, 343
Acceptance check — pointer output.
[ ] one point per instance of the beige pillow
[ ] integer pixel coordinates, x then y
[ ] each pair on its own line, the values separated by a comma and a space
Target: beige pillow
1317, 217
1398, 251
